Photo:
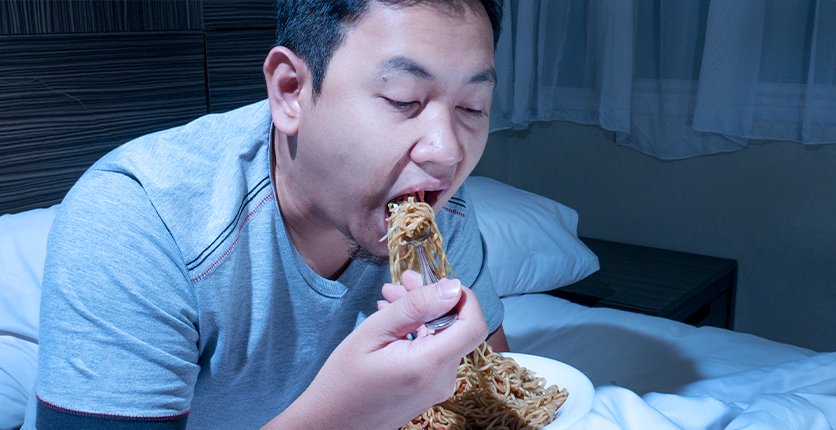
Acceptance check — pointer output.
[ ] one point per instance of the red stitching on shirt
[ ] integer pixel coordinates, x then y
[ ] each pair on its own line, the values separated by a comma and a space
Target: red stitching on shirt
110, 416
453, 211
228, 250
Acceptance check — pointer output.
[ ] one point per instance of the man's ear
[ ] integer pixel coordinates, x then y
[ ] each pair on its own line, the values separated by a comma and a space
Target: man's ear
286, 76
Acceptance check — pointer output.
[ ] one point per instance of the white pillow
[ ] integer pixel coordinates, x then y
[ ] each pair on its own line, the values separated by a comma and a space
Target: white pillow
532, 241
22, 253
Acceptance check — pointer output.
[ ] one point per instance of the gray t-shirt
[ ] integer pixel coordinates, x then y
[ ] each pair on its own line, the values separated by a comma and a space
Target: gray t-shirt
173, 296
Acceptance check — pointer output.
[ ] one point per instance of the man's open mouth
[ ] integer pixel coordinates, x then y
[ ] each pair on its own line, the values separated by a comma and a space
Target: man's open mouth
429, 197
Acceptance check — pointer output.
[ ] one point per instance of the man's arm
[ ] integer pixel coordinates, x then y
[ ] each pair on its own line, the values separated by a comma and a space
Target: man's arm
498, 341
118, 336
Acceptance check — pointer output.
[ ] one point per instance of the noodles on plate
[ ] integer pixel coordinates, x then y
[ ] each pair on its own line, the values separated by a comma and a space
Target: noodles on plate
492, 391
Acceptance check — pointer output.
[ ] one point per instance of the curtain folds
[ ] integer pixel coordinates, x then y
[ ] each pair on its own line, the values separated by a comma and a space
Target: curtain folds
672, 78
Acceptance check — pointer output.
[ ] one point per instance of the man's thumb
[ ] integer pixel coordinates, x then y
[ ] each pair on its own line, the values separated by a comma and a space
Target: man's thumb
409, 312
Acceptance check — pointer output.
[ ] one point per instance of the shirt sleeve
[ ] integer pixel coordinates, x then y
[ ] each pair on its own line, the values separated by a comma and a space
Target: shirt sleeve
118, 324
467, 254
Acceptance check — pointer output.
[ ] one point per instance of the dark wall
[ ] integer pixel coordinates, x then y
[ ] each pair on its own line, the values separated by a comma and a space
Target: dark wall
80, 77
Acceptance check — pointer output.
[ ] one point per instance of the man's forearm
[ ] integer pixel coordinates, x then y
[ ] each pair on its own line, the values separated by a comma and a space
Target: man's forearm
498, 341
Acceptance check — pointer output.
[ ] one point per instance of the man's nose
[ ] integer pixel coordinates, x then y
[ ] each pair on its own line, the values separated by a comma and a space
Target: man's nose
439, 143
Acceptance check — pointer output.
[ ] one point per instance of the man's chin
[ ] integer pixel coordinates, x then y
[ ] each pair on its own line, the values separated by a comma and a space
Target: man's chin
357, 252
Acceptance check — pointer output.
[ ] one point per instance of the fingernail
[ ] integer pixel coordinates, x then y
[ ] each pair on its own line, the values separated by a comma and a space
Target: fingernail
449, 288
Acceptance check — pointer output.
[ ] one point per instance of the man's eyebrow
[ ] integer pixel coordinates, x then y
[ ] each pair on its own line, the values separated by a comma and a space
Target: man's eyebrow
485, 76
405, 65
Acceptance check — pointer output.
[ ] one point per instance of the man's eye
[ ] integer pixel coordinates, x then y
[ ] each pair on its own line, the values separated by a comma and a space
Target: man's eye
475, 113
403, 106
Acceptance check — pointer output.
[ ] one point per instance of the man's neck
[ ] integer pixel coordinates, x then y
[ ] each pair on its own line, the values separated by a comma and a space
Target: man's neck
325, 252
323, 248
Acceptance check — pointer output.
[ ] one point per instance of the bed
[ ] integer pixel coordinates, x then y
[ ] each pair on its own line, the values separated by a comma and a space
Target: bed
647, 372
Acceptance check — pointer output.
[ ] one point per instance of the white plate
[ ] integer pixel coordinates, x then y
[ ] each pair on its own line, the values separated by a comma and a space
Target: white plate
581, 391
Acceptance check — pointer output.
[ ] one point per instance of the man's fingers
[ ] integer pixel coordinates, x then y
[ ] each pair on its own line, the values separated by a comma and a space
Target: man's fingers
409, 312
427, 303
468, 331
411, 280
463, 336
392, 292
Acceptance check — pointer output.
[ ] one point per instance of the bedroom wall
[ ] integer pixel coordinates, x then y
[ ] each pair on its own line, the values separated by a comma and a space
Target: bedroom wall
80, 77
770, 206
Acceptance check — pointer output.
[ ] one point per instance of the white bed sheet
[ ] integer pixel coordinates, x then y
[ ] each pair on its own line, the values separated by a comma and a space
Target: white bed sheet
654, 373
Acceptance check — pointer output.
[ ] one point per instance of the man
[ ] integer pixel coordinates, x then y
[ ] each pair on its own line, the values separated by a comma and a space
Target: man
227, 273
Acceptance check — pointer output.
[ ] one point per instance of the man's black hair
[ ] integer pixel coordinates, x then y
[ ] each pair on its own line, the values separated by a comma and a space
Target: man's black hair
314, 29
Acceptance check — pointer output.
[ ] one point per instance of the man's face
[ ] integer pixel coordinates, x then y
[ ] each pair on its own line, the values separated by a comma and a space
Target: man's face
403, 108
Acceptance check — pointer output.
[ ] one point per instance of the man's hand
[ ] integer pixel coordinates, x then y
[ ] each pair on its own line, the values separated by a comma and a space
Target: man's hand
411, 280
376, 378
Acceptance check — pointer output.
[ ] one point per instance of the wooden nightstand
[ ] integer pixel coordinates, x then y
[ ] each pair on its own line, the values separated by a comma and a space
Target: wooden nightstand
695, 289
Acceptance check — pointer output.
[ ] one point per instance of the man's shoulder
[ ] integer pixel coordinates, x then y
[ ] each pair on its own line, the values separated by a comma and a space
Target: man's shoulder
457, 223
199, 177
190, 161
457, 212
203, 139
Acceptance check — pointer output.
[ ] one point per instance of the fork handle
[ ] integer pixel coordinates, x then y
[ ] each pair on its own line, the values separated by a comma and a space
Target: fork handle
426, 269
429, 277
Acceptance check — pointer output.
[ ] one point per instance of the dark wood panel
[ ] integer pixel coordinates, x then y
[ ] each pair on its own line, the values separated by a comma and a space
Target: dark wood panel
235, 59
239, 14
98, 16
66, 100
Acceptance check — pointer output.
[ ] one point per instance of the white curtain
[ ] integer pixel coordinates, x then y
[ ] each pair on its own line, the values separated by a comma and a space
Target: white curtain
672, 78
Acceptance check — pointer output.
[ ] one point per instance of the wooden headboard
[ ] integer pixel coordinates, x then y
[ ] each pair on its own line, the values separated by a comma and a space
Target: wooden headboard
80, 77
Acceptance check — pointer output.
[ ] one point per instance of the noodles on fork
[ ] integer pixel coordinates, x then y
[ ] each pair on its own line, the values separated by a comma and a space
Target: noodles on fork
492, 391
412, 219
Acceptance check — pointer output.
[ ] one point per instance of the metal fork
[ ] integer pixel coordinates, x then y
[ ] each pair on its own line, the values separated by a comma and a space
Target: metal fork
429, 277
